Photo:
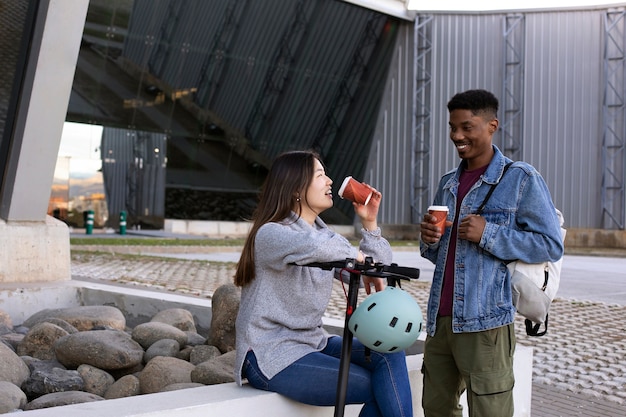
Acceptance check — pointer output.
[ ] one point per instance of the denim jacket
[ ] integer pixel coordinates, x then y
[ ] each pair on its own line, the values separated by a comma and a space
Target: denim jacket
521, 224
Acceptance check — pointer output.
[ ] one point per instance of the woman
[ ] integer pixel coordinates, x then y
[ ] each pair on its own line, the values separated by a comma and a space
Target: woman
281, 345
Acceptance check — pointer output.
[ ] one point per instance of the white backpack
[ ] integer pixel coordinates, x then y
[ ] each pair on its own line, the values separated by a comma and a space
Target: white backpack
534, 286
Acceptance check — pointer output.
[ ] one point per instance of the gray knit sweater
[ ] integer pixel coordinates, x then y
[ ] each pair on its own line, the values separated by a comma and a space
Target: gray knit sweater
280, 315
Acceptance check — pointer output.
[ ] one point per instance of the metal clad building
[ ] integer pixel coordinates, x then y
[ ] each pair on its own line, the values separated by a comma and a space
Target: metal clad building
561, 105
369, 90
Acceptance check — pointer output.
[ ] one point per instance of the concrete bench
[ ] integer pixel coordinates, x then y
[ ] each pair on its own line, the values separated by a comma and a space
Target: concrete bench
229, 400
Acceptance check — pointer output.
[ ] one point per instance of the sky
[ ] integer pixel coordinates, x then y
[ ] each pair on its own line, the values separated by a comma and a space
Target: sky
80, 143
486, 5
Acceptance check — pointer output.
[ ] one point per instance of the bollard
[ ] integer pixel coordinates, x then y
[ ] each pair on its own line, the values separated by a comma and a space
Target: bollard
89, 222
122, 222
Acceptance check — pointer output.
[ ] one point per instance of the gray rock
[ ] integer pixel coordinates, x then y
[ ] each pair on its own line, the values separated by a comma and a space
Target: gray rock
42, 382
178, 317
163, 371
12, 340
62, 324
82, 318
119, 373
126, 386
185, 353
225, 306
163, 347
147, 333
181, 385
21, 329
11, 397
42, 365
7, 344
39, 341
104, 349
203, 353
96, 380
12, 368
195, 339
61, 398
6, 324
4, 329
215, 371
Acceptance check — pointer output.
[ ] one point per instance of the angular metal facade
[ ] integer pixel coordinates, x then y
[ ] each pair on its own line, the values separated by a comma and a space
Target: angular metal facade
242, 80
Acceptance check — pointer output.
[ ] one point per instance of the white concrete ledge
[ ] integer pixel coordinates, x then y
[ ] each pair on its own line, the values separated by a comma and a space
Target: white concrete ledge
217, 400
226, 229
229, 400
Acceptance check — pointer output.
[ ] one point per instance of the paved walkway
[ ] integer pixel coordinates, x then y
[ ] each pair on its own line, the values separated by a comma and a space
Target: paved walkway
579, 367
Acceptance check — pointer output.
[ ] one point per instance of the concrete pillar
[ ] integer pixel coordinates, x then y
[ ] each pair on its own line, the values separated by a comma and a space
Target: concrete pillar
34, 246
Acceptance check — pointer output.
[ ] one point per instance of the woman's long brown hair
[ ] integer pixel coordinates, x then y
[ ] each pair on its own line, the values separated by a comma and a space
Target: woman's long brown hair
283, 189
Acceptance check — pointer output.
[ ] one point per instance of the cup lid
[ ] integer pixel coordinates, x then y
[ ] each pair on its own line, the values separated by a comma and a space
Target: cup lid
344, 185
438, 208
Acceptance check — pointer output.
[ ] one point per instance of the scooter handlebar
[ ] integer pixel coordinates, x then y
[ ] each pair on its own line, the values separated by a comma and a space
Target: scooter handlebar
370, 268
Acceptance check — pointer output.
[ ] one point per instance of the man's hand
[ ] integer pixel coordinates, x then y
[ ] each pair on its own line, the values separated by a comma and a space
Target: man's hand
429, 231
471, 228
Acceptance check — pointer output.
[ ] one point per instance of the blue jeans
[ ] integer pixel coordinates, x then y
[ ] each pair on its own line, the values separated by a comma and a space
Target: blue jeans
381, 384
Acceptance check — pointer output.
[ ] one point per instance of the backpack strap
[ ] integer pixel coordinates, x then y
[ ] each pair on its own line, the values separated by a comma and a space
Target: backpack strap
532, 329
491, 190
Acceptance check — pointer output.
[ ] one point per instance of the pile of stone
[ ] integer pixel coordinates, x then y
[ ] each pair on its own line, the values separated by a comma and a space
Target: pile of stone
81, 354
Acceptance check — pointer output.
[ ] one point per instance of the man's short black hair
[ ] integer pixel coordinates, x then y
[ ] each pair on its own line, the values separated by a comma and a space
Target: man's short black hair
477, 101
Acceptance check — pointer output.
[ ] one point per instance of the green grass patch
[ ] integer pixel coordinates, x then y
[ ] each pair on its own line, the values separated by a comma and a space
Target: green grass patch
95, 241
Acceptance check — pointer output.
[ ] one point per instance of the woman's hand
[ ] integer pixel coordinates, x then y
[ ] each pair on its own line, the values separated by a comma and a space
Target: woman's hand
369, 212
377, 283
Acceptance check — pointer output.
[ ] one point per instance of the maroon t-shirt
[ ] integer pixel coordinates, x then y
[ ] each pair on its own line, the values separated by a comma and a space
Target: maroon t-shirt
466, 180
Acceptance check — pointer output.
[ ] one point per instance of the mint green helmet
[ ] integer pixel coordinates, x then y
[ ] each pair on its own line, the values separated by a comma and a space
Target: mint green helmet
387, 321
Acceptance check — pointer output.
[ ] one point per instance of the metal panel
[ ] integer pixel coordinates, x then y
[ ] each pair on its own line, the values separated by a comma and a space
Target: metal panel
562, 97
389, 166
614, 109
466, 54
133, 170
563, 108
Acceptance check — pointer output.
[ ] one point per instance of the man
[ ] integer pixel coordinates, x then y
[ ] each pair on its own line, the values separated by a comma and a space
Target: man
470, 332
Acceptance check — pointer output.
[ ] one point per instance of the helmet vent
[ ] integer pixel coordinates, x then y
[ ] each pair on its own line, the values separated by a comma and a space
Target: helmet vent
393, 348
409, 326
393, 322
378, 343
371, 306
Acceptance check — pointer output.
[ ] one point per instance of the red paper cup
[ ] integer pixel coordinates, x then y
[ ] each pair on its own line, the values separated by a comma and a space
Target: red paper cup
441, 213
355, 191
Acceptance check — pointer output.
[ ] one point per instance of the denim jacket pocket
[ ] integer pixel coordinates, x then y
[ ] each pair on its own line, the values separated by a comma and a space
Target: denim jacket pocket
499, 216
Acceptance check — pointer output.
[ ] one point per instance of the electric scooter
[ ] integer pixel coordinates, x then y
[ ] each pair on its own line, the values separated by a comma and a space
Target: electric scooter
393, 273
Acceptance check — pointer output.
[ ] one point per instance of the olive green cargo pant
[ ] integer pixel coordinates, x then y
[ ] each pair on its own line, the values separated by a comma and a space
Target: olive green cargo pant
480, 362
